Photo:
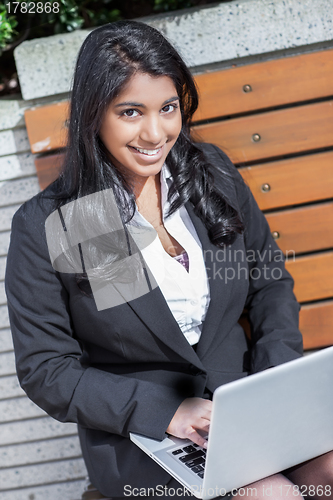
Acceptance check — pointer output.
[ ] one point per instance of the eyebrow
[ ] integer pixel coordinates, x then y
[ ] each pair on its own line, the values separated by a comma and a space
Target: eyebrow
139, 105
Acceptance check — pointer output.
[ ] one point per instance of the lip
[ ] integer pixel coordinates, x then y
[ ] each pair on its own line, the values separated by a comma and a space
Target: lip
146, 157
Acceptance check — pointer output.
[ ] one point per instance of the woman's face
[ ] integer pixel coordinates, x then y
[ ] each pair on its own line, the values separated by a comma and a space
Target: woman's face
142, 124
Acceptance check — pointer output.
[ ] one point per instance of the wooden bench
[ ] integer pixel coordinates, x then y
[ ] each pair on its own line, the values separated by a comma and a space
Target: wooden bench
275, 121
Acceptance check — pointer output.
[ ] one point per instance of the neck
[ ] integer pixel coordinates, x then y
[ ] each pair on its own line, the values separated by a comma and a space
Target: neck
147, 188
148, 200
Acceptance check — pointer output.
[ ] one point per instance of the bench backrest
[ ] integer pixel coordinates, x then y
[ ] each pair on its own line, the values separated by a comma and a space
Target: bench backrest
275, 121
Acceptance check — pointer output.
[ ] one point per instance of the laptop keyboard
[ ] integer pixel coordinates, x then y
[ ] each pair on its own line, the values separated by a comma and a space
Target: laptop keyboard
192, 456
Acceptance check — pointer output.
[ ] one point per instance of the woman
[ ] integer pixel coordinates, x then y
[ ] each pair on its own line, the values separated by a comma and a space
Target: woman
126, 278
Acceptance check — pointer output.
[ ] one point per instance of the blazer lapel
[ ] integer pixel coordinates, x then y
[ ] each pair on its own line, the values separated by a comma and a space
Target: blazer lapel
153, 310
220, 292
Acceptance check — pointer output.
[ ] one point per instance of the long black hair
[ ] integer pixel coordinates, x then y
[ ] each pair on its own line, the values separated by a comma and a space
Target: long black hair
107, 60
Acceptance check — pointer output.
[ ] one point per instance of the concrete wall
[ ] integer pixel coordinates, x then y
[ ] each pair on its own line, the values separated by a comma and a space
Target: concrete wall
220, 33
39, 457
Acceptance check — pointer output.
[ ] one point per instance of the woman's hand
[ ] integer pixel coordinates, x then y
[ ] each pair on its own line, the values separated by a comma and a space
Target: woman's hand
192, 415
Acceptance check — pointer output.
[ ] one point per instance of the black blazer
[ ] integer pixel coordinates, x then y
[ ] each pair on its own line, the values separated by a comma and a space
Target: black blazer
137, 366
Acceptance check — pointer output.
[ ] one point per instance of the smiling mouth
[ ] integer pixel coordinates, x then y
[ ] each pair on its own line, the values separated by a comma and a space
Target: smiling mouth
148, 152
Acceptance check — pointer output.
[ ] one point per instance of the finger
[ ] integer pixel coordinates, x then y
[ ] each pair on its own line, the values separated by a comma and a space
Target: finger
194, 436
201, 424
201, 420
205, 427
206, 416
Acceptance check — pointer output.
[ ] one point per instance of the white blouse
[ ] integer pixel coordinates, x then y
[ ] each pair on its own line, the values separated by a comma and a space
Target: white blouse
186, 293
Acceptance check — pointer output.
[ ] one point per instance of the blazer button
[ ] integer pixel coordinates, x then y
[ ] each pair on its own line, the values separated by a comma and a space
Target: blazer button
196, 371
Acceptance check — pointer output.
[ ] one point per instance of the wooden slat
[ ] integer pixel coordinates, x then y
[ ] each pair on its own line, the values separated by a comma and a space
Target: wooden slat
313, 276
316, 324
221, 94
292, 182
303, 229
282, 132
48, 168
281, 81
46, 126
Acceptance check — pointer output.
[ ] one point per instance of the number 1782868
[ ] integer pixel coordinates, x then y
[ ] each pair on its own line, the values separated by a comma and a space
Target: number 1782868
33, 7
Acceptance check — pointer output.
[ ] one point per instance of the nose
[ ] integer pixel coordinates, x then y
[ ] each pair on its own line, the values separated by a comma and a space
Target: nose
152, 130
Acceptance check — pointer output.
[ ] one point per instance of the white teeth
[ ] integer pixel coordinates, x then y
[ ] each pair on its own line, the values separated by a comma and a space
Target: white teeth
149, 152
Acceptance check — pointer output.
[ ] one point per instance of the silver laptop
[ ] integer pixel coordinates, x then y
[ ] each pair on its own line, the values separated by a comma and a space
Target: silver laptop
260, 425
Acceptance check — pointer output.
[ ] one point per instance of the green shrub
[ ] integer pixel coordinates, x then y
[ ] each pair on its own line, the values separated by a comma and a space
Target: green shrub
8, 24
58, 16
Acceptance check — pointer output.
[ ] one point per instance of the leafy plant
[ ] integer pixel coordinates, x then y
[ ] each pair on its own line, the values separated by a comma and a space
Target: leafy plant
8, 24
167, 5
59, 16
47, 17
21, 20
75, 14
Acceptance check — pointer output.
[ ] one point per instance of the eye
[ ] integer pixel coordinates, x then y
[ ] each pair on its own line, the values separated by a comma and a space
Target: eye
169, 108
130, 113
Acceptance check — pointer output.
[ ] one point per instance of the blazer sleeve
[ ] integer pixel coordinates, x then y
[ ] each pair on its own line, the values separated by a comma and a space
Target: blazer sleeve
48, 355
272, 308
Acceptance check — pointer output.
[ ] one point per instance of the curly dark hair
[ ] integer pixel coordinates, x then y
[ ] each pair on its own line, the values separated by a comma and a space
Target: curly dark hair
108, 58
